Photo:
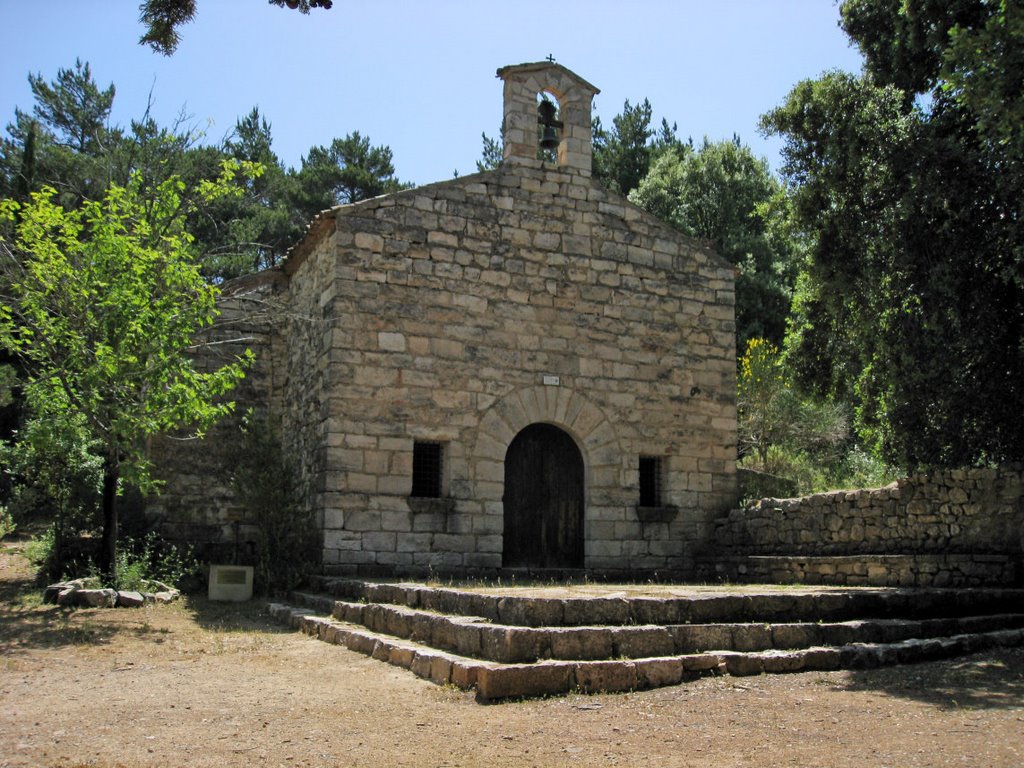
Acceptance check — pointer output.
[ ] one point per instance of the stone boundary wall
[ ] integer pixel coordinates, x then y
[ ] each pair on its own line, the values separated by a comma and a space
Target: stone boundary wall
956, 527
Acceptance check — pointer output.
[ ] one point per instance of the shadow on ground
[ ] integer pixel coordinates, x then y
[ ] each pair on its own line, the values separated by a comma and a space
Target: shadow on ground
991, 680
250, 616
27, 623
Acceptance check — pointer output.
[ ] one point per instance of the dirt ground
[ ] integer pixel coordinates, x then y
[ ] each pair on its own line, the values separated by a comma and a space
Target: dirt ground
205, 684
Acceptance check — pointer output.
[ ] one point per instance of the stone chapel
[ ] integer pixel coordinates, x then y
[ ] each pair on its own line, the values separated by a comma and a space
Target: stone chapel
516, 369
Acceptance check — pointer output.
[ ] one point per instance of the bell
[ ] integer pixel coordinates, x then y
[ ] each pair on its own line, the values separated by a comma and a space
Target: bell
549, 139
546, 117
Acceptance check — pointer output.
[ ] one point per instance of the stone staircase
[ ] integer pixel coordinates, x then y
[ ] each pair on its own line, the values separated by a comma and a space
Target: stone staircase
549, 641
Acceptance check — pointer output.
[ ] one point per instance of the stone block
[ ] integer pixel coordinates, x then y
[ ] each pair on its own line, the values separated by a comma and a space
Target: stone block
533, 612
788, 636
594, 611
421, 663
96, 598
742, 664
441, 669
605, 676
130, 599
512, 644
464, 674
519, 680
751, 637
580, 643
656, 673
782, 661
821, 659
695, 638
401, 656
642, 642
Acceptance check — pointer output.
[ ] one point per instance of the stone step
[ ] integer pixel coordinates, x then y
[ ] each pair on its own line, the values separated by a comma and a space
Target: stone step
495, 681
770, 605
476, 637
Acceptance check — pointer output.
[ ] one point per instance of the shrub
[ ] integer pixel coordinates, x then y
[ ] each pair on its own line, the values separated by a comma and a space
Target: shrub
152, 558
56, 477
7, 524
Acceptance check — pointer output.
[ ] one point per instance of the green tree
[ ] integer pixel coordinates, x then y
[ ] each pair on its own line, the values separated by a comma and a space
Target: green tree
102, 304
53, 472
493, 152
722, 193
347, 171
60, 141
907, 186
623, 155
252, 231
779, 428
162, 18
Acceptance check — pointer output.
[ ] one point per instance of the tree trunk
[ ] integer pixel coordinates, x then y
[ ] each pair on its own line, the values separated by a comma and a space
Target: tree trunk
108, 546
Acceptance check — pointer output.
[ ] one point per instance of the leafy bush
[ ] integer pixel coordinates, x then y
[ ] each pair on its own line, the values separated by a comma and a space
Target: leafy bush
7, 524
152, 558
784, 433
56, 477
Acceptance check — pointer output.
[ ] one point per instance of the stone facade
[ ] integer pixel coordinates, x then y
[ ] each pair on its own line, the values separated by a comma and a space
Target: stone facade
950, 527
460, 314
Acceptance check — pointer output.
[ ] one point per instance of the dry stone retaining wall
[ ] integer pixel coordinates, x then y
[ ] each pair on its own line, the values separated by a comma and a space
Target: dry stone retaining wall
961, 526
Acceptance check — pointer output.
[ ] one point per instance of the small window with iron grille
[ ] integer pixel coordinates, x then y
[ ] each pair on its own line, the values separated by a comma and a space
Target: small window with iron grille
427, 466
651, 476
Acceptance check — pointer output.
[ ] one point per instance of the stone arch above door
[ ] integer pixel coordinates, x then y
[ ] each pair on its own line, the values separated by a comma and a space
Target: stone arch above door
559, 406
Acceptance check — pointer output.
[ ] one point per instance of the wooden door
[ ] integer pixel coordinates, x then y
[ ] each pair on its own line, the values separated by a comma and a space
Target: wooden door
543, 502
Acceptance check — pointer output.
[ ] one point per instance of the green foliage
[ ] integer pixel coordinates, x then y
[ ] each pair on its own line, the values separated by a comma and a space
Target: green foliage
722, 193
623, 155
264, 480
152, 558
7, 524
8, 380
347, 171
61, 141
103, 303
907, 185
773, 413
162, 18
781, 431
493, 152
66, 142
54, 471
39, 551
252, 231
55, 475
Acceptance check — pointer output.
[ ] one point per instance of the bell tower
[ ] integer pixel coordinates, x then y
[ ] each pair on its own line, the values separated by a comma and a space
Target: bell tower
525, 121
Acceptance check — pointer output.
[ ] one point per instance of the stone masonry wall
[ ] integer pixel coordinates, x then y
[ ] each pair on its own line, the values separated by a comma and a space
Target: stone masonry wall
196, 503
962, 526
453, 310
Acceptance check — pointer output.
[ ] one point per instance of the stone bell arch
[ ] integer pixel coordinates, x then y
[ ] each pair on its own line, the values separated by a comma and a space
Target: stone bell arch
575, 98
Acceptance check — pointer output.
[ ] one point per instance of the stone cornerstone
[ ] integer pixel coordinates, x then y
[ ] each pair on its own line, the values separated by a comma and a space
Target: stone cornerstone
514, 369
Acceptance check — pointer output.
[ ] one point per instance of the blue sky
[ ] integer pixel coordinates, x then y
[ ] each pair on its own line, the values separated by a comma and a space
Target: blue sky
419, 75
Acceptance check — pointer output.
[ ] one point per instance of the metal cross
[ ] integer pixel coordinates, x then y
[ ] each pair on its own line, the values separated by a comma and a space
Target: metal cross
551, 58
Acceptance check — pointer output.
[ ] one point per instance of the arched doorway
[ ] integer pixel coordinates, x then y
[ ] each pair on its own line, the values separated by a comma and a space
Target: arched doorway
543, 501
